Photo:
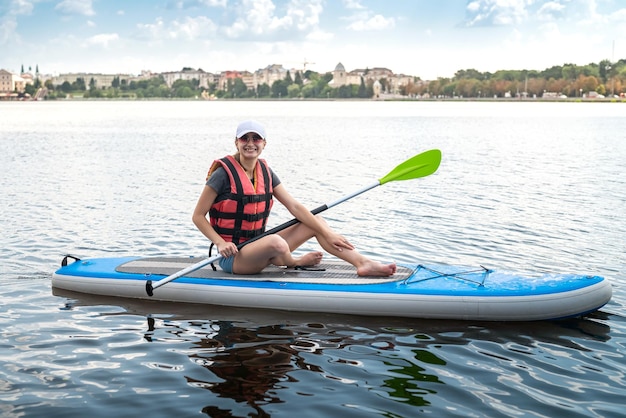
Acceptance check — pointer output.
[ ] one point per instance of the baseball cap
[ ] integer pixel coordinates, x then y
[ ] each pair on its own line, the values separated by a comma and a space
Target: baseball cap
250, 126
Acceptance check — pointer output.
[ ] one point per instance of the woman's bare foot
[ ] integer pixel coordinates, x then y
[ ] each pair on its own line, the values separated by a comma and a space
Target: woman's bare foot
310, 259
374, 268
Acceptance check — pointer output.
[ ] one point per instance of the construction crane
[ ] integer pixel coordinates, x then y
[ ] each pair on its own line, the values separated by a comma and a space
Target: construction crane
305, 64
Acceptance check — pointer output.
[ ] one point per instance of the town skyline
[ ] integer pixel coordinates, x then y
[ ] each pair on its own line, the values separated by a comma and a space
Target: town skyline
424, 39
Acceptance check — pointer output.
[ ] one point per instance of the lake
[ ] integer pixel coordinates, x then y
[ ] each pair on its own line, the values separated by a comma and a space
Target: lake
525, 186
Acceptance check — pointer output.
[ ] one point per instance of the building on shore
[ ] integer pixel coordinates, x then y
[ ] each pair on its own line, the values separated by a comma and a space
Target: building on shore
11, 82
13, 85
388, 82
98, 80
204, 79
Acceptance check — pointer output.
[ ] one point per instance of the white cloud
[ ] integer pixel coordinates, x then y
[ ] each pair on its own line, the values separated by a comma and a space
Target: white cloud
305, 14
8, 30
377, 22
496, 12
103, 40
21, 7
151, 31
79, 7
353, 4
185, 4
8, 21
189, 28
192, 28
258, 18
550, 10
318, 35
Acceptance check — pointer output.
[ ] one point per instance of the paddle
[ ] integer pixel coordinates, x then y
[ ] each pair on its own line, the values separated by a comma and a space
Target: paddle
421, 165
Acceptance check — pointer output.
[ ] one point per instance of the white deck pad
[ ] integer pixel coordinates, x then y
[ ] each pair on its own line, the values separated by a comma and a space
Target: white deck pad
329, 272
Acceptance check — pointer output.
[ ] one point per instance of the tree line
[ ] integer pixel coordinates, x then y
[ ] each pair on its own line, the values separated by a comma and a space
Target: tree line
572, 80
604, 78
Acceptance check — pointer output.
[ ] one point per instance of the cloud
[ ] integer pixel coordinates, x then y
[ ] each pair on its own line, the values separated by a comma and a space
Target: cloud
102, 40
75, 7
188, 4
151, 31
192, 28
353, 4
364, 19
189, 28
8, 20
551, 10
250, 20
305, 14
318, 35
8, 28
256, 18
376, 22
20, 7
496, 12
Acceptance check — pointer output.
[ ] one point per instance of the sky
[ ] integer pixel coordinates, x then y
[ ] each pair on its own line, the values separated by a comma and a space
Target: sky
424, 38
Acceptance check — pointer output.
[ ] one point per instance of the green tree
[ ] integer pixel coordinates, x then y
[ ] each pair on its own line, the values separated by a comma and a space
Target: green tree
66, 87
30, 89
308, 91
180, 89
185, 92
79, 84
298, 79
362, 92
604, 69
239, 88
344, 92
293, 90
279, 88
263, 90
470, 73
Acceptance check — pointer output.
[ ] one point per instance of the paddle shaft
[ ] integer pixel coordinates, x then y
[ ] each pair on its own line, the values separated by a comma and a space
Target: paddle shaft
151, 286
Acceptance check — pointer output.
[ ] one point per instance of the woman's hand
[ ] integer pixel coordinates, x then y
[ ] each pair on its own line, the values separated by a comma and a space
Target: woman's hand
226, 249
340, 242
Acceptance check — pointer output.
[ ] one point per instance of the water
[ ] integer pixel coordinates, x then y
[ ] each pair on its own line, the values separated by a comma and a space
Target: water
530, 187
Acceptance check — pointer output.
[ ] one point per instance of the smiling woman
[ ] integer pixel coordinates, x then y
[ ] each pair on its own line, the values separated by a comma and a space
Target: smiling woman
238, 196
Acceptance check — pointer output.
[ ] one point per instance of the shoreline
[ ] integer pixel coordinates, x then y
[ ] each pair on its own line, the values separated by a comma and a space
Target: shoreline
297, 99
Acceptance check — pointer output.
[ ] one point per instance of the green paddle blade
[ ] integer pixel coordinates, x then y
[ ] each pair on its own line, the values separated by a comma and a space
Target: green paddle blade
421, 165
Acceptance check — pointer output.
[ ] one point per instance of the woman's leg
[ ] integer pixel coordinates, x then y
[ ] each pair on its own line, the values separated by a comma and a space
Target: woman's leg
272, 249
298, 234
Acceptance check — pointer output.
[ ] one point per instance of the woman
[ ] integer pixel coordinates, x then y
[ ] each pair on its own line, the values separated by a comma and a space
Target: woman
238, 198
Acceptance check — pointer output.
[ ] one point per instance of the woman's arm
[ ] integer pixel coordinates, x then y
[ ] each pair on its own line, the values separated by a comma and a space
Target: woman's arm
199, 217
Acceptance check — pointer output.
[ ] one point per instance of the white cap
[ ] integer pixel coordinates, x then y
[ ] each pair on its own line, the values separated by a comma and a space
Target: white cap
250, 126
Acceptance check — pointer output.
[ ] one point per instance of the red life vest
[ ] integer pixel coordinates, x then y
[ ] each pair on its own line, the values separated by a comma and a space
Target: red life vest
242, 214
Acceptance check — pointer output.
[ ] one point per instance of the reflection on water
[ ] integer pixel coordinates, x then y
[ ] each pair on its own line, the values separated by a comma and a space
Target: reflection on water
257, 363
